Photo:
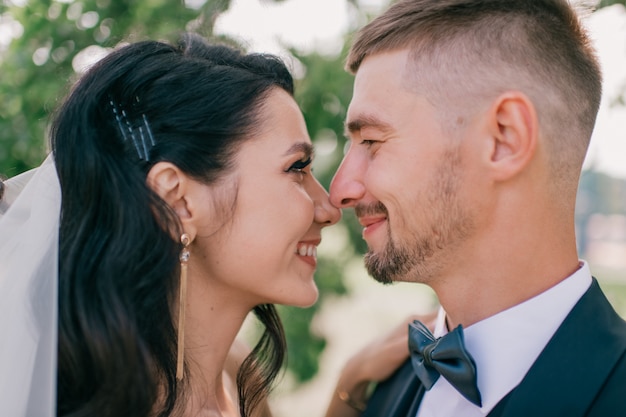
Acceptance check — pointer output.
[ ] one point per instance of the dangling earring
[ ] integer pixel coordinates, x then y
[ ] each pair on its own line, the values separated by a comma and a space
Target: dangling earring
184, 258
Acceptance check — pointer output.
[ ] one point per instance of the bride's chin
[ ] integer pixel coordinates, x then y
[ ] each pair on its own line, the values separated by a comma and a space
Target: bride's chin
307, 300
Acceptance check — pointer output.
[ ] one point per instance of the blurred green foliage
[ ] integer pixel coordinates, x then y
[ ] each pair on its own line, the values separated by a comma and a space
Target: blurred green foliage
37, 66
605, 3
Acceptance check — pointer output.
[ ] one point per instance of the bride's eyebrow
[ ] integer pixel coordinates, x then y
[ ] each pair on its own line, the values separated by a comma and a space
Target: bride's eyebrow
301, 147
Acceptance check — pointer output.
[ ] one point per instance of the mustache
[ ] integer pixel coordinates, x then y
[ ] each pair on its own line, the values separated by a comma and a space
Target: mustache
370, 209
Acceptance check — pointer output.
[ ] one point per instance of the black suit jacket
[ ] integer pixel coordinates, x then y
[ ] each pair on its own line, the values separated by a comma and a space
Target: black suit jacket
580, 372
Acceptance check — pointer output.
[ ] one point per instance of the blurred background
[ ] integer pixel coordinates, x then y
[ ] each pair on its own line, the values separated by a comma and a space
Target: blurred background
45, 45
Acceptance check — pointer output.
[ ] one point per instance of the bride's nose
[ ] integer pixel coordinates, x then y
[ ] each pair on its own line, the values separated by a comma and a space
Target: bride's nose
325, 213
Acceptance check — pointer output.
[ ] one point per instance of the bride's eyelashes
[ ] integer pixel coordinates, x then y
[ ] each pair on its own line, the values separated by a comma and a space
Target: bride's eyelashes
299, 166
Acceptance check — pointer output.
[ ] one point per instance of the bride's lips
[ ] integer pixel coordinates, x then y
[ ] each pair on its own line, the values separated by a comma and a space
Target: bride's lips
307, 251
371, 224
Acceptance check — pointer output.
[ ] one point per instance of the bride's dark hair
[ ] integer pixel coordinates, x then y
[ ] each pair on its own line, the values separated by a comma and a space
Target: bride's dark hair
118, 264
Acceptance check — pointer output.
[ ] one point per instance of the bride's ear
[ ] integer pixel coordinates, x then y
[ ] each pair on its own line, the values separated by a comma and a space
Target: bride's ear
173, 186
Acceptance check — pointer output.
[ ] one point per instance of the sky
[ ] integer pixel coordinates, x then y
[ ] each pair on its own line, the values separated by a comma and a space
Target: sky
607, 152
319, 25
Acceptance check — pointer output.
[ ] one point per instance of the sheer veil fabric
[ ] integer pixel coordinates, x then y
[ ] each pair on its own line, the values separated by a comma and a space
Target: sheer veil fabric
29, 235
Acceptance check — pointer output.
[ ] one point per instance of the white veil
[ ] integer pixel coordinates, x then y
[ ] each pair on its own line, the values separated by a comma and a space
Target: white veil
29, 234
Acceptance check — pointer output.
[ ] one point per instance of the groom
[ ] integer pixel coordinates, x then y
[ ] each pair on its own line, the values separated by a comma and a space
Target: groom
468, 128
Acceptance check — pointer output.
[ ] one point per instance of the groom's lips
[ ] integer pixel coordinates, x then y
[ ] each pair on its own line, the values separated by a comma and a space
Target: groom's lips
371, 224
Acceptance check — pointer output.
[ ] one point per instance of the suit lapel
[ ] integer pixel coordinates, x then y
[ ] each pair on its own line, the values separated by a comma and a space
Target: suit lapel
399, 396
567, 375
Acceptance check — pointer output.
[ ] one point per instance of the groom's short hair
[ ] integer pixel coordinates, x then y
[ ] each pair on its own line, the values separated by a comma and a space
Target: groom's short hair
467, 52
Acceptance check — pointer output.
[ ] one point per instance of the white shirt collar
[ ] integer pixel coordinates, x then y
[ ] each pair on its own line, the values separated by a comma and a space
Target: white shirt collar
505, 346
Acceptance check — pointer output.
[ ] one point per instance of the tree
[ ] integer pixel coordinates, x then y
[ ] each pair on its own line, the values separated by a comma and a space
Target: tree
38, 65
605, 3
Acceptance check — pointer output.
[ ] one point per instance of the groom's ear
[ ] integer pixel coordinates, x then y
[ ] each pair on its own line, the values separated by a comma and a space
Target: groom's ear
174, 187
513, 132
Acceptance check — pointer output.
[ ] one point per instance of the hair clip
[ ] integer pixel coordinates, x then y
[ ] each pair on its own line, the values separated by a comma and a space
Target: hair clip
122, 119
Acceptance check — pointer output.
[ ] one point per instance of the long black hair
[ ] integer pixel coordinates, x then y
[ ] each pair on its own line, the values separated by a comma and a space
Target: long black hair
190, 104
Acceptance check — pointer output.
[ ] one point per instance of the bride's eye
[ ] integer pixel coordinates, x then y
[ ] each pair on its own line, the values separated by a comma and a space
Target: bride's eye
299, 166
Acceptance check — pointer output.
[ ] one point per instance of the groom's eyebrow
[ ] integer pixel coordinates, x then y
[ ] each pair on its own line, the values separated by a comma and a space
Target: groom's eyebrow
364, 121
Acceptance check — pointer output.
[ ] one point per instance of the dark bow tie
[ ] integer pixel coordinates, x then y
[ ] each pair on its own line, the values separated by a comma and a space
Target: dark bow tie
445, 356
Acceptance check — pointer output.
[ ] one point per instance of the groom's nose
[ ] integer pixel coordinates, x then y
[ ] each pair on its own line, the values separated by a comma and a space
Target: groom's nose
347, 187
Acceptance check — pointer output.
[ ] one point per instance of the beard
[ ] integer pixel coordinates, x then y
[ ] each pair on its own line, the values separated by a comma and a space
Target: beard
390, 265
424, 253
